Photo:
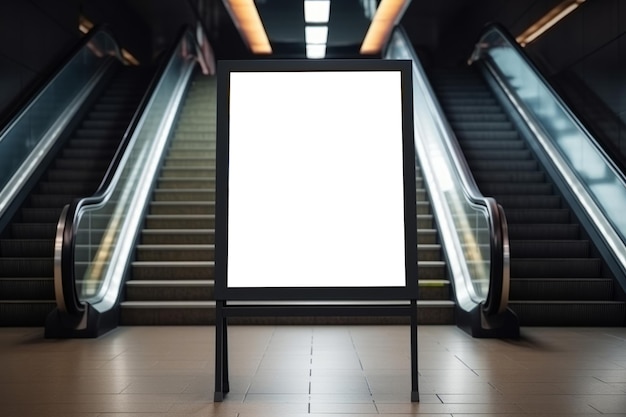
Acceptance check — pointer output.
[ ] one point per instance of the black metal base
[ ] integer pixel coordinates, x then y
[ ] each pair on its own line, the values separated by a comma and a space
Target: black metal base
475, 323
92, 324
224, 311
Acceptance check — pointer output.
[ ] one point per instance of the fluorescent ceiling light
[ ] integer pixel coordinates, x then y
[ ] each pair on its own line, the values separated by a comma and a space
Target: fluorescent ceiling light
316, 34
247, 20
316, 11
387, 16
546, 22
315, 51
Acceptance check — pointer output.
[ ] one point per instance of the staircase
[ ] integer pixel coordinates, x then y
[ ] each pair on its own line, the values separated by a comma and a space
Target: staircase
27, 244
172, 277
556, 278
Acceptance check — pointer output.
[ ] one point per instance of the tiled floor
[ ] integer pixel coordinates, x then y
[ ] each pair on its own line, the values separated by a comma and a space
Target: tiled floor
308, 370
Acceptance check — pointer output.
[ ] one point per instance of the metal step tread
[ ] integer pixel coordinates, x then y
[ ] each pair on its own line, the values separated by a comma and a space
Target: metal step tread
175, 246
173, 263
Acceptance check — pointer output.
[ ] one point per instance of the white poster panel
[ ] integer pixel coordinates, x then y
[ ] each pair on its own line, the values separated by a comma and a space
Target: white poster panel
315, 184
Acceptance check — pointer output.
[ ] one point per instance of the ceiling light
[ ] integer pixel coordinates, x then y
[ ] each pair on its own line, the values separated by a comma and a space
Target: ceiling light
84, 24
546, 22
316, 34
315, 51
316, 11
247, 20
386, 17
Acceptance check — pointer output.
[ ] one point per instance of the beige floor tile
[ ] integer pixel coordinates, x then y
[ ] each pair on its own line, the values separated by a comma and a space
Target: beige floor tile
293, 371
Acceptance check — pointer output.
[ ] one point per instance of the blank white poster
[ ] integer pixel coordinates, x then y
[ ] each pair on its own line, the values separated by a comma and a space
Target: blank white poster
315, 184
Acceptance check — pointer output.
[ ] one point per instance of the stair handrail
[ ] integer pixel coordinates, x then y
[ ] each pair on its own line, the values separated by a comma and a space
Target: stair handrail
576, 167
27, 138
72, 307
495, 301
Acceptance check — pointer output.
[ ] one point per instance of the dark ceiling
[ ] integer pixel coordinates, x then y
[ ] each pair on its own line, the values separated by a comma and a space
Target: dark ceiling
432, 25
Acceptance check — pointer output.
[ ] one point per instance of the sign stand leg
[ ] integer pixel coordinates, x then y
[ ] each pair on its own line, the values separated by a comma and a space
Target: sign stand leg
415, 396
221, 353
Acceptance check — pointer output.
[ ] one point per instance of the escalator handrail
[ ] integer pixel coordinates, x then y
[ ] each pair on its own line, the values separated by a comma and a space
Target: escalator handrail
521, 52
497, 298
68, 301
37, 90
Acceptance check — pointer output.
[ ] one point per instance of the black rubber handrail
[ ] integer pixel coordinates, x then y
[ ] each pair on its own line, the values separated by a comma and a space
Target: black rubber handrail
72, 306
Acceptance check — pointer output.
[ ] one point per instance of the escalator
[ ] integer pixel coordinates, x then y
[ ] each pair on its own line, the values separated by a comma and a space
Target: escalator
27, 242
557, 274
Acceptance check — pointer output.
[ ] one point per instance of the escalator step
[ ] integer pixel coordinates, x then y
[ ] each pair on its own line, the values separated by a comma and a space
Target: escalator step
70, 174
477, 118
555, 267
477, 155
561, 289
22, 288
36, 248
543, 231
528, 165
481, 126
550, 248
537, 216
44, 200
26, 267
90, 153
487, 135
491, 145
25, 313
77, 187
509, 176
82, 164
502, 189
570, 313
33, 230
529, 201
40, 215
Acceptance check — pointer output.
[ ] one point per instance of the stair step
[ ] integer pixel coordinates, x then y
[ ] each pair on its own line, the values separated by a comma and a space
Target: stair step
177, 236
173, 270
175, 252
173, 221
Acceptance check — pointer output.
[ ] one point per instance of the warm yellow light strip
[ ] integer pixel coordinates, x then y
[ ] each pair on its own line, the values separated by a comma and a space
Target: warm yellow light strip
387, 15
84, 24
129, 58
549, 20
246, 18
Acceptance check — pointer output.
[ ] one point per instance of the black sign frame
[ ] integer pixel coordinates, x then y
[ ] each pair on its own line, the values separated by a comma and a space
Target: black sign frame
260, 293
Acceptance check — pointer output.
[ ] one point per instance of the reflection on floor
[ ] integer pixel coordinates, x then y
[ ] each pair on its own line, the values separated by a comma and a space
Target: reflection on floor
314, 370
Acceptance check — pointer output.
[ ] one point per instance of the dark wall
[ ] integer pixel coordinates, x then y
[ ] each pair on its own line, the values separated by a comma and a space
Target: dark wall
34, 35
585, 57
